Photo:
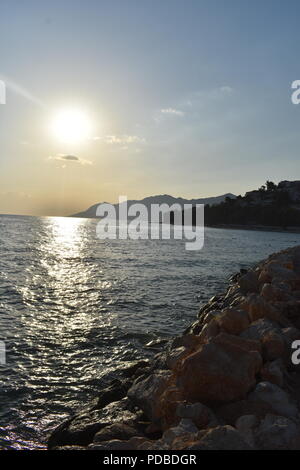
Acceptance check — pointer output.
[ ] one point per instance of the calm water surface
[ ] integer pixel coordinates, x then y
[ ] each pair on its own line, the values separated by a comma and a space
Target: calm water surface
74, 308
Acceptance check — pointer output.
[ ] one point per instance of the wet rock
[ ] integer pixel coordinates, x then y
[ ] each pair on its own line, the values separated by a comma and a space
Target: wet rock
221, 370
276, 398
114, 444
146, 393
278, 432
115, 391
131, 370
187, 341
233, 321
81, 429
220, 438
209, 330
70, 448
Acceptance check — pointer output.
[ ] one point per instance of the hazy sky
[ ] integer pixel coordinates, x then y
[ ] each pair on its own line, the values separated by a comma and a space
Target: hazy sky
190, 98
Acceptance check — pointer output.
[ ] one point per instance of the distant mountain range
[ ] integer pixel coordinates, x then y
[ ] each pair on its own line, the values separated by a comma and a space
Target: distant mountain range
161, 199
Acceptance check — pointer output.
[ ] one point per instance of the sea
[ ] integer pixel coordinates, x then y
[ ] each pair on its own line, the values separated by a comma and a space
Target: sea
75, 309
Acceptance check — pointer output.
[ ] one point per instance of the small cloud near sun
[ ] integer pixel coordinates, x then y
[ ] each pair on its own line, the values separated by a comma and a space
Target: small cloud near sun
70, 158
172, 111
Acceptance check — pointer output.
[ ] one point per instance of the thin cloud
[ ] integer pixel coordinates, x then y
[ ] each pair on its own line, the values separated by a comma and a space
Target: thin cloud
70, 158
123, 139
172, 111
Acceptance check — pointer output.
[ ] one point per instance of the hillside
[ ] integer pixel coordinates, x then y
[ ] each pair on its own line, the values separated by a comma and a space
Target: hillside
160, 199
271, 205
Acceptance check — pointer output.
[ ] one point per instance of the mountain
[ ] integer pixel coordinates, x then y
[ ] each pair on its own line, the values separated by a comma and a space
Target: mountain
160, 199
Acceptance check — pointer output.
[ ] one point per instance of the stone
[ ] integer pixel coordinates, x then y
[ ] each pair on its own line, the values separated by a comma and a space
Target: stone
230, 412
233, 321
248, 282
278, 399
273, 346
200, 414
272, 293
278, 433
259, 328
146, 393
81, 429
186, 426
246, 425
120, 431
175, 356
209, 330
273, 372
222, 370
220, 438
257, 307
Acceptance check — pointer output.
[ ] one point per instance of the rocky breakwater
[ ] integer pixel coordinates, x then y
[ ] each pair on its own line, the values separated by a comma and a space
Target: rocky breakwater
227, 383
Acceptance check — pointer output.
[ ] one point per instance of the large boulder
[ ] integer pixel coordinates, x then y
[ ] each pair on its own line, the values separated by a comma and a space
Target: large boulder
147, 393
258, 307
222, 370
233, 321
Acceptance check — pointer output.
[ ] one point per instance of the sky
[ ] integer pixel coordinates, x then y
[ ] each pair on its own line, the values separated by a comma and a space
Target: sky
189, 98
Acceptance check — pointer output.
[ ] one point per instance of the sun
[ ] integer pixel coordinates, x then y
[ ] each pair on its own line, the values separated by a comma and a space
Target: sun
71, 126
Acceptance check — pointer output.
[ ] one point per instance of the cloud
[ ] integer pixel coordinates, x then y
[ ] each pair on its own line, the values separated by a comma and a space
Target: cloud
70, 158
172, 111
123, 139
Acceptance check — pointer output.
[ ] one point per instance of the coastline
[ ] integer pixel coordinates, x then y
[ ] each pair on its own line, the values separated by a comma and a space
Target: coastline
228, 382
261, 228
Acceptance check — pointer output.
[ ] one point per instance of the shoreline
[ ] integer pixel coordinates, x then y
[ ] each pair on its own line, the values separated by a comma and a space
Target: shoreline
259, 228
228, 382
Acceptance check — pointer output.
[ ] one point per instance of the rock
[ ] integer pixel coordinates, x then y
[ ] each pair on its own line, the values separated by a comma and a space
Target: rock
273, 372
278, 432
175, 356
273, 345
186, 426
188, 341
221, 370
114, 444
273, 293
246, 425
220, 438
146, 393
131, 370
248, 282
209, 330
259, 328
70, 448
233, 321
200, 414
277, 398
115, 391
120, 431
230, 412
81, 429
257, 307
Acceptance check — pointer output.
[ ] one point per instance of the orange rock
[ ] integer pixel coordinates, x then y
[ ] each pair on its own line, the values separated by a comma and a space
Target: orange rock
233, 321
222, 370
